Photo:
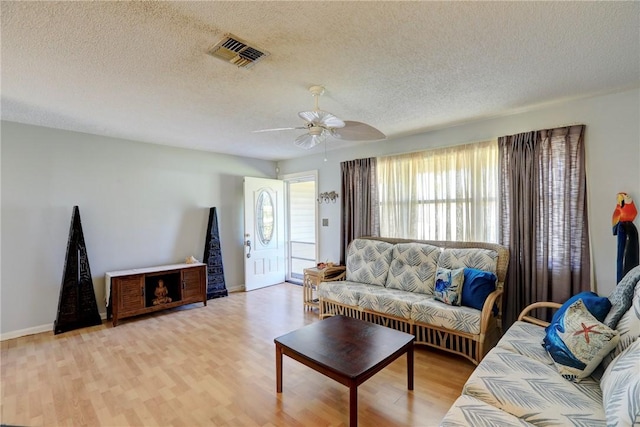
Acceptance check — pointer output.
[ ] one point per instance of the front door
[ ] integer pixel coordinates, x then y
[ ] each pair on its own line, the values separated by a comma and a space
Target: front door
264, 261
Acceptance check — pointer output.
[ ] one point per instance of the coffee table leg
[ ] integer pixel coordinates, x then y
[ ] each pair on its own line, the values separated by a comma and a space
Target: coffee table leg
278, 368
353, 405
410, 367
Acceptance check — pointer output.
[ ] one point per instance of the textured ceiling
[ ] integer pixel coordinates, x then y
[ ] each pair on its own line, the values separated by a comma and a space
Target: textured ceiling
139, 70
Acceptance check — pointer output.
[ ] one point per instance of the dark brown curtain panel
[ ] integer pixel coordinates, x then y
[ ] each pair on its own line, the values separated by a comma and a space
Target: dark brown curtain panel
360, 215
543, 200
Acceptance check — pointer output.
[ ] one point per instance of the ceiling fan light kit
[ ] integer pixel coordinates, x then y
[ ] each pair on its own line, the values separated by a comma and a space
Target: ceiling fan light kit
321, 124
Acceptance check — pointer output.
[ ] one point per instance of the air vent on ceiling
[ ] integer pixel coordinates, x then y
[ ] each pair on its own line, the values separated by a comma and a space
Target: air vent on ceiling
236, 51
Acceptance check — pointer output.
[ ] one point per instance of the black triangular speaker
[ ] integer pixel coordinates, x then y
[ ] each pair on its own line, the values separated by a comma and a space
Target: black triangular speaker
213, 258
77, 305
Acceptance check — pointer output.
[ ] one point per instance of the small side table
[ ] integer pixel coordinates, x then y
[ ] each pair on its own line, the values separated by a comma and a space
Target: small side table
313, 277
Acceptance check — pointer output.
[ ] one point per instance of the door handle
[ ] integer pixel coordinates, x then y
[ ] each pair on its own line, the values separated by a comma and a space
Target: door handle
248, 243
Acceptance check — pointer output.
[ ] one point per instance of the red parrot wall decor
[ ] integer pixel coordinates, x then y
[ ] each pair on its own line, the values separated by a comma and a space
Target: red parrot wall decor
623, 227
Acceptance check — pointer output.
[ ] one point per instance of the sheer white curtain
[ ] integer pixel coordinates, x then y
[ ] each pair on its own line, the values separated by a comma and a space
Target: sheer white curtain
442, 194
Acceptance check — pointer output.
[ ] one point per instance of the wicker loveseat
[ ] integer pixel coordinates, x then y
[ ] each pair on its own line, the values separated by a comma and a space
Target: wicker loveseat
391, 282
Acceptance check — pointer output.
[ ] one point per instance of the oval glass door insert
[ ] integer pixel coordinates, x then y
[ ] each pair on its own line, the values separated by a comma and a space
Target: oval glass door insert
265, 218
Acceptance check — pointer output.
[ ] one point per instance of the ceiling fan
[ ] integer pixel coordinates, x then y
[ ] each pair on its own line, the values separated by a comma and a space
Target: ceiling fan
321, 124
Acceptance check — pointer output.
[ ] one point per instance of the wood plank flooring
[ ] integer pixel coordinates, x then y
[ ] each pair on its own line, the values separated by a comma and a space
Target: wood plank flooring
211, 365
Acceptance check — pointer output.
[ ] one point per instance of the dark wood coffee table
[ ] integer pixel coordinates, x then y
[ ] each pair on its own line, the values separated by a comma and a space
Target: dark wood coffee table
347, 350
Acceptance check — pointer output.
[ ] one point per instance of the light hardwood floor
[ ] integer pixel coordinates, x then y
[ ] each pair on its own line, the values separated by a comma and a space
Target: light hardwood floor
211, 365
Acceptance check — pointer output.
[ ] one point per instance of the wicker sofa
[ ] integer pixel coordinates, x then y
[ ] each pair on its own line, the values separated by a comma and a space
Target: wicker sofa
391, 282
518, 383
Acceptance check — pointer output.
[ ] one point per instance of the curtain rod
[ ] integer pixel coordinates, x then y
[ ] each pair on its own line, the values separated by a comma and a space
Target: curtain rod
554, 127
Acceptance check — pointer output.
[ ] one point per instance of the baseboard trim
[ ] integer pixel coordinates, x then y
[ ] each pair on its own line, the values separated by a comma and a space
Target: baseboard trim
34, 330
49, 327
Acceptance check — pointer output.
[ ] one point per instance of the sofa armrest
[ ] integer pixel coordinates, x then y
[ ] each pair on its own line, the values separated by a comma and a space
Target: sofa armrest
487, 309
524, 315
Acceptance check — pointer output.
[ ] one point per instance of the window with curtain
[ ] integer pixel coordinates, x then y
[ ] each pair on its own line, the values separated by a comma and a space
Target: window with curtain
442, 194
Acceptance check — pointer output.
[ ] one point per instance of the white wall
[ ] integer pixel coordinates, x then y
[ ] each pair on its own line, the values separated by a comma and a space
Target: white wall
144, 205
613, 162
140, 205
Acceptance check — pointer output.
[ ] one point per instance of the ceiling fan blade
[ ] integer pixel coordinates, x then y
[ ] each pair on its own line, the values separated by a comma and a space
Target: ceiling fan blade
309, 141
274, 129
320, 117
357, 131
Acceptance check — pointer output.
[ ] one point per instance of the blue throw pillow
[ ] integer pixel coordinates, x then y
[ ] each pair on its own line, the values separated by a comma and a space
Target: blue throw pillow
478, 285
598, 306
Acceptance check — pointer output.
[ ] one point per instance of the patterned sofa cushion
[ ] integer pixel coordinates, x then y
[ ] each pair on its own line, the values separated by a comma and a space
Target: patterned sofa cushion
368, 261
481, 259
436, 313
393, 302
470, 411
524, 338
413, 267
621, 388
344, 292
621, 297
534, 391
628, 327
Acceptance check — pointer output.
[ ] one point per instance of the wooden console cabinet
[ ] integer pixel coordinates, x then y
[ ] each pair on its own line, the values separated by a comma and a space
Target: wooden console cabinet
145, 290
